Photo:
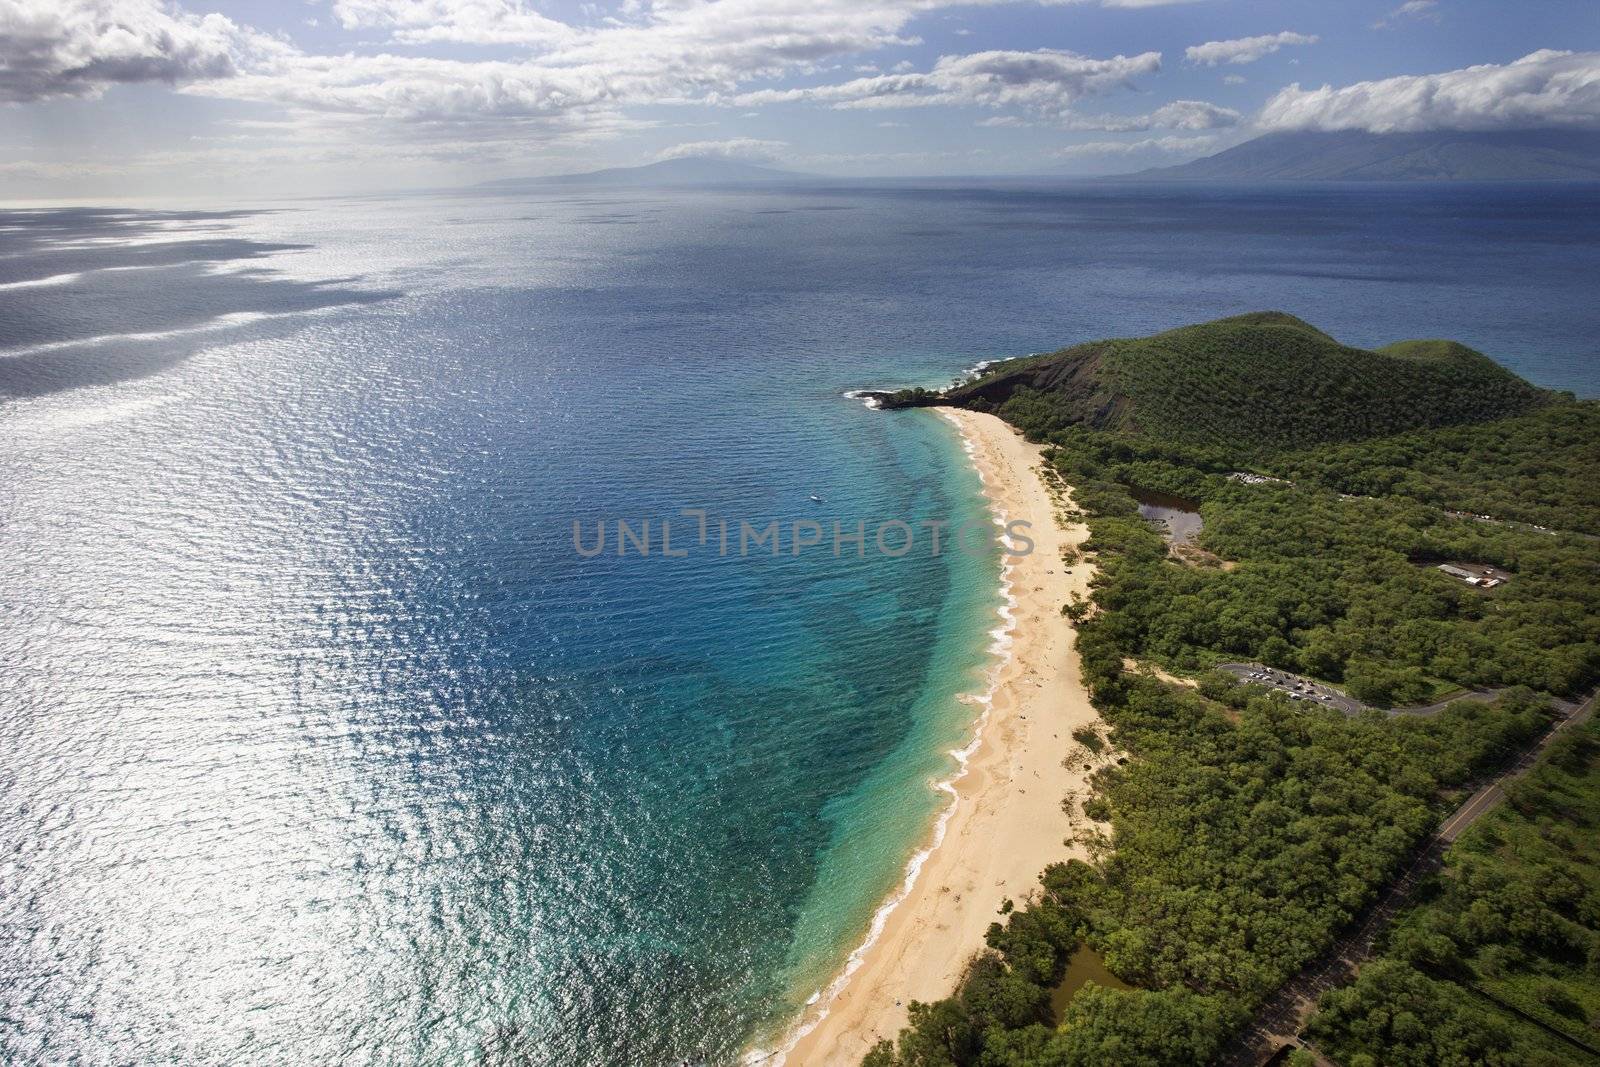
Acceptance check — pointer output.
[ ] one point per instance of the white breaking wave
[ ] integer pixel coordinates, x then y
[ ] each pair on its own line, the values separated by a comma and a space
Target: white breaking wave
975, 371
861, 395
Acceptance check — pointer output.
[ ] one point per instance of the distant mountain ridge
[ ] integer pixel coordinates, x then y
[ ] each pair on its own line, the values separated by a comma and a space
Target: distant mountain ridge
1443, 155
1263, 381
685, 170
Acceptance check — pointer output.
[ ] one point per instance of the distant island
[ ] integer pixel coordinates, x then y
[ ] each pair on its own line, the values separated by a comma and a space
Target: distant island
1528, 155
1440, 155
1343, 792
685, 170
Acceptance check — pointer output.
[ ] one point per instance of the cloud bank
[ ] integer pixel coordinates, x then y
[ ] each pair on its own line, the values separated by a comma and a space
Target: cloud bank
567, 76
1041, 79
1544, 89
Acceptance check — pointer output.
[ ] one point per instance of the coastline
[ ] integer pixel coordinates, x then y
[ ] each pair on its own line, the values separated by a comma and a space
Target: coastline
1005, 821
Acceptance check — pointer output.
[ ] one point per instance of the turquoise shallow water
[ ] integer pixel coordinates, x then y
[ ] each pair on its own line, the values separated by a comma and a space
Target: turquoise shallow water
323, 743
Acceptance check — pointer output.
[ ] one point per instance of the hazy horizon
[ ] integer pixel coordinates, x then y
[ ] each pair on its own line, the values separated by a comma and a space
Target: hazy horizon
240, 98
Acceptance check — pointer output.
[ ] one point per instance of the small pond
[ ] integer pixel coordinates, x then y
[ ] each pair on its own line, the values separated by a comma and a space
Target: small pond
1084, 966
1178, 516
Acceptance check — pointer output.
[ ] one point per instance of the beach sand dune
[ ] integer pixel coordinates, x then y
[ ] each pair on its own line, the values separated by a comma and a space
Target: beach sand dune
1008, 822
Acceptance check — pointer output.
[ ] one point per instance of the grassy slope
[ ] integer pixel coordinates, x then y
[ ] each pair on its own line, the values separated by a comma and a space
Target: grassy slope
1264, 381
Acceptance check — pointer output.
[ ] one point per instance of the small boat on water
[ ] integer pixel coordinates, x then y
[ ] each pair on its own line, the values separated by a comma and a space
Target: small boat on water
817, 498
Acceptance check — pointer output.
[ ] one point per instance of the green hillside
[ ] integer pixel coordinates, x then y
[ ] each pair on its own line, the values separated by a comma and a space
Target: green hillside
1261, 382
1240, 833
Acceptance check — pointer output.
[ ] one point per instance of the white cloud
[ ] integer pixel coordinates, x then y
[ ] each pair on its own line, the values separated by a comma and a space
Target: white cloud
414, 87
1194, 115
54, 48
1043, 79
1244, 49
1178, 115
1546, 88
657, 51
421, 89
748, 149
796, 30
1411, 9
485, 22
1124, 148
662, 52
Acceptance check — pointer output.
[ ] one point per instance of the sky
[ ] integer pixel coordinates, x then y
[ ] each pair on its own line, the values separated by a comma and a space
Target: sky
305, 97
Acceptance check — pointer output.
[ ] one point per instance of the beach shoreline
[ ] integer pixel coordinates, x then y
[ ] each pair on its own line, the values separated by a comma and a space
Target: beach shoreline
1005, 822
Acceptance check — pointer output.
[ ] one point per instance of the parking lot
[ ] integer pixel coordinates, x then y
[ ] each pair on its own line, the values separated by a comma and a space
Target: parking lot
1295, 687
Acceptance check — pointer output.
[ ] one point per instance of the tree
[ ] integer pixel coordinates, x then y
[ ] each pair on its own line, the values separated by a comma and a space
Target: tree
940, 1035
1396, 1016
1135, 1028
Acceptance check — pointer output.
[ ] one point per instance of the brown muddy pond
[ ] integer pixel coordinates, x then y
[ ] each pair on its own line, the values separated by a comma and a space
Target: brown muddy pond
1178, 517
1084, 966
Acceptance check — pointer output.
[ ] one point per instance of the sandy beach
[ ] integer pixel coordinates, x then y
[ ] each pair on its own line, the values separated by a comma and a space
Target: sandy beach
1007, 822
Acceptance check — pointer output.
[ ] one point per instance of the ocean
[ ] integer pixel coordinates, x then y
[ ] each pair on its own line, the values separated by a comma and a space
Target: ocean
325, 742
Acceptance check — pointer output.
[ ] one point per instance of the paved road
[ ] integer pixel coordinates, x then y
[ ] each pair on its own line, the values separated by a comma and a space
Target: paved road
1281, 1017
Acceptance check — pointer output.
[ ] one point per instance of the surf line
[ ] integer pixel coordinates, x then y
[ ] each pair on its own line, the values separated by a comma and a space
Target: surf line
1000, 649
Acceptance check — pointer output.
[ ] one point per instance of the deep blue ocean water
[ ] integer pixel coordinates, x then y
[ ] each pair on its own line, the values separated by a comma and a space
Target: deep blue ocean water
321, 741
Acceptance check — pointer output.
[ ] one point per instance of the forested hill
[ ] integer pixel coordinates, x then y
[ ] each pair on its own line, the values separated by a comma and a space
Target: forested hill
1261, 381
1237, 832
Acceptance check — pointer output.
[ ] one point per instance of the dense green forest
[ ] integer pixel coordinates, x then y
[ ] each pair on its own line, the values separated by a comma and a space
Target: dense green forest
1257, 383
1540, 468
1238, 833
1243, 834
1336, 587
1510, 933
